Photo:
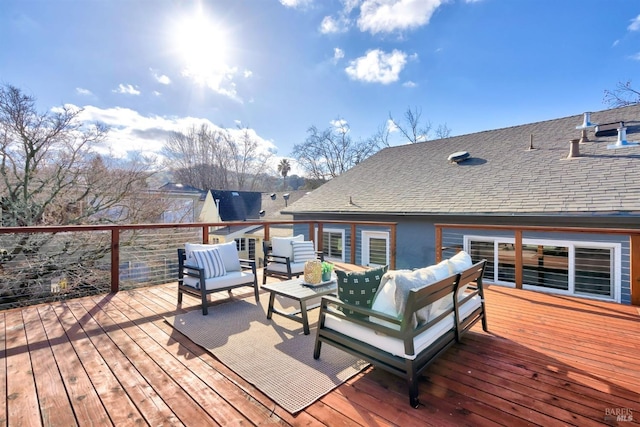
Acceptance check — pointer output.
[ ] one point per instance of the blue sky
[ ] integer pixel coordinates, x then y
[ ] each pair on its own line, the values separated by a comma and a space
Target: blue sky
147, 67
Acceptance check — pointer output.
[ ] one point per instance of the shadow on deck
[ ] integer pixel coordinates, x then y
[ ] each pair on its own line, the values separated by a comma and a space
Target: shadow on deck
112, 360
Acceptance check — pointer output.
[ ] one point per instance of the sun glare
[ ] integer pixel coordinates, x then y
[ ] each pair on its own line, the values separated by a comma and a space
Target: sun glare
202, 46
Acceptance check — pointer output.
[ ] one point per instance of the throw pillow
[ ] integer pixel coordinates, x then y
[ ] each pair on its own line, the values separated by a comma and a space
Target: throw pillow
359, 287
303, 251
211, 261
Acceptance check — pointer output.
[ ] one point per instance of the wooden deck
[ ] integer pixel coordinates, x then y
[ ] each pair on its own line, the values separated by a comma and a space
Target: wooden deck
112, 360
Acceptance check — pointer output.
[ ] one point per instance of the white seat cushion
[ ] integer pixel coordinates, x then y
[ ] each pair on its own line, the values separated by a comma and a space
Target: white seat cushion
296, 267
230, 279
393, 345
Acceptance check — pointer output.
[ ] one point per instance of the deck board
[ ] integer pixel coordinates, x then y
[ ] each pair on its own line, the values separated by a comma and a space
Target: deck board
112, 360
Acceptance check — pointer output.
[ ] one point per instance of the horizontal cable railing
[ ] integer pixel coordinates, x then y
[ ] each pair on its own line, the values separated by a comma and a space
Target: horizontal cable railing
42, 264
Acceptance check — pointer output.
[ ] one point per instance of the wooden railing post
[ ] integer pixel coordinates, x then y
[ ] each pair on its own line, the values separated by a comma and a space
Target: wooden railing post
438, 244
519, 262
320, 237
354, 243
392, 253
634, 273
115, 259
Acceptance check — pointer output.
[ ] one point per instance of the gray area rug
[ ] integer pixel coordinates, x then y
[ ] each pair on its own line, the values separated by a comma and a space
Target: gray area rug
273, 355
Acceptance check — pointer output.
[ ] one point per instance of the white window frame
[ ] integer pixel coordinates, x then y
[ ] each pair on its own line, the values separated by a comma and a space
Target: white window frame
616, 272
340, 231
366, 235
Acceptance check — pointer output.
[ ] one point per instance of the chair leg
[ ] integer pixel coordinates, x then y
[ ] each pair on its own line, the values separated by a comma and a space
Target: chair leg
256, 292
205, 303
264, 275
179, 296
413, 391
317, 348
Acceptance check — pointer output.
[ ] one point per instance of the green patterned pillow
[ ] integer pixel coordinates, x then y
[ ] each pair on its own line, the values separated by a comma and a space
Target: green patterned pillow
359, 287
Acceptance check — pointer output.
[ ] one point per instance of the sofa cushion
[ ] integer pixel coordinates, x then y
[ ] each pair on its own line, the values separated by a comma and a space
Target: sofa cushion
233, 278
359, 287
303, 251
228, 252
281, 246
211, 261
393, 345
459, 263
392, 296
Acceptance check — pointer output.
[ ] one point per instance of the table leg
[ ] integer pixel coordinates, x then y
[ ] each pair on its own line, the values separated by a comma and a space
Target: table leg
272, 298
305, 318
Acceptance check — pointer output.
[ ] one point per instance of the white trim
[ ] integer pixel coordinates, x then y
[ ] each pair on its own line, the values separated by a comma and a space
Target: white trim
366, 236
340, 231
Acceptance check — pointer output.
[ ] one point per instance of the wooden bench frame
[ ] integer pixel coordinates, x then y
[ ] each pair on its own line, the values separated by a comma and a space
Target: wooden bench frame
410, 369
198, 273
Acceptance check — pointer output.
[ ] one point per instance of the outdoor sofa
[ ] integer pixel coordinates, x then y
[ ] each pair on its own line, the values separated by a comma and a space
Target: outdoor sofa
413, 319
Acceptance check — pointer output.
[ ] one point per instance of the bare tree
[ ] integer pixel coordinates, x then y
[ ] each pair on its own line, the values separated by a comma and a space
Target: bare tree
412, 129
328, 153
624, 94
49, 175
219, 158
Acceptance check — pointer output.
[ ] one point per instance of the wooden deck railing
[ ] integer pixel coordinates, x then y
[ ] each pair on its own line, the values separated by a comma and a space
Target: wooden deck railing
31, 258
516, 233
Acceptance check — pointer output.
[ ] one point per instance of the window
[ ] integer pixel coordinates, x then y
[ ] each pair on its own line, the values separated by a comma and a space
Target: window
241, 244
575, 268
375, 248
333, 244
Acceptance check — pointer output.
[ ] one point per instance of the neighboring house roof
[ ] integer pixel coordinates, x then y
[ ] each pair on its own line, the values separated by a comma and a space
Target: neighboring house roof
237, 205
274, 203
502, 175
173, 187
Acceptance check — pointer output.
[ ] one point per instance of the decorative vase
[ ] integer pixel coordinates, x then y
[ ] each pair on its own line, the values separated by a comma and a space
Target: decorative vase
326, 276
313, 272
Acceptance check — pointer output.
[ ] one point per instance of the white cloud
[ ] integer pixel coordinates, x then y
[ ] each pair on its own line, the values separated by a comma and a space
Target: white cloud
391, 126
635, 57
295, 3
377, 66
219, 80
82, 91
338, 54
331, 25
131, 132
247, 73
386, 16
160, 78
409, 84
635, 24
126, 89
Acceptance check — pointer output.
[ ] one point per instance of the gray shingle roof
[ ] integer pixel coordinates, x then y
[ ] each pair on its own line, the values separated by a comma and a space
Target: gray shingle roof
502, 176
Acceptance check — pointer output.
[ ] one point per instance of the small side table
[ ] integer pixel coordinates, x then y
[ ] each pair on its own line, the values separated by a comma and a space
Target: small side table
295, 290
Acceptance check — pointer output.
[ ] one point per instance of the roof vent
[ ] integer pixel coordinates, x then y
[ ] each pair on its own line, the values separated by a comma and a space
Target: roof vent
622, 140
586, 123
608, 129
574, 150
458, 157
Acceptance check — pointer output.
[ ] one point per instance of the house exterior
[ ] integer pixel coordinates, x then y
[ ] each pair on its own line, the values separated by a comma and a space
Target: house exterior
563, 192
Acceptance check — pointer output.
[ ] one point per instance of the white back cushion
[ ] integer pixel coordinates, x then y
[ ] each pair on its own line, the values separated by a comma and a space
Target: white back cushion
460, 262
228, 252
281, 246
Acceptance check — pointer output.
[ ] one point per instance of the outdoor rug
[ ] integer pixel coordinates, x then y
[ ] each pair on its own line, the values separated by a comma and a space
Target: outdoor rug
273, 355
